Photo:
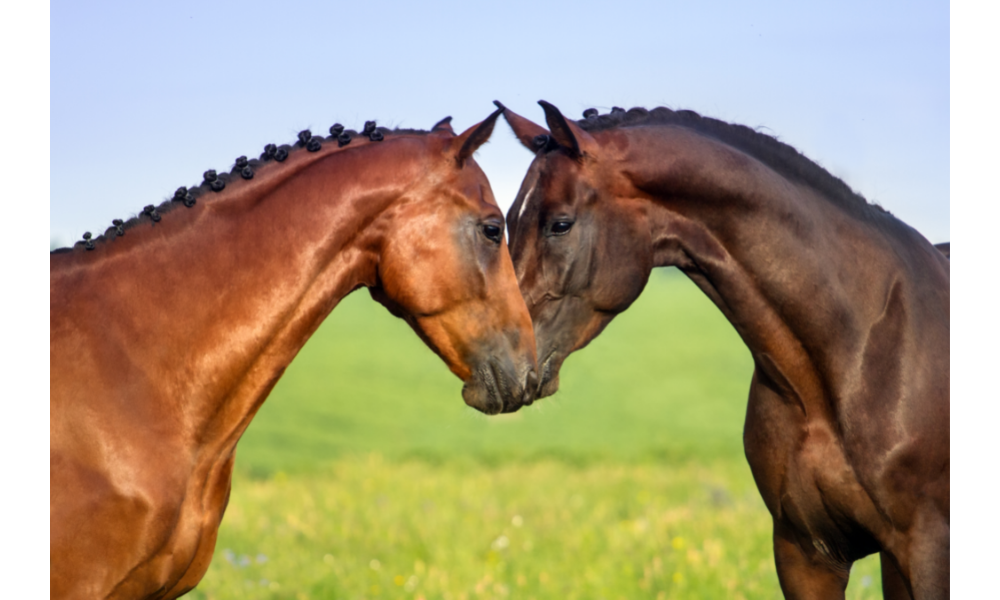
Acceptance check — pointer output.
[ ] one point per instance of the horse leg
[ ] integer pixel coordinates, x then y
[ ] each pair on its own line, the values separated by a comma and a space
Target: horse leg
929, 557
804, 574
893, 585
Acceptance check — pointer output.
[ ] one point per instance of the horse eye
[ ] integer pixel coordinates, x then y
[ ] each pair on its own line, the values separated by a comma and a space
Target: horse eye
561, 227
493, 232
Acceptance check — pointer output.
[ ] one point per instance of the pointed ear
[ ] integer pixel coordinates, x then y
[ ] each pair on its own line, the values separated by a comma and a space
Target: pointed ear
474, 137
569, 135
443, 125
525, 130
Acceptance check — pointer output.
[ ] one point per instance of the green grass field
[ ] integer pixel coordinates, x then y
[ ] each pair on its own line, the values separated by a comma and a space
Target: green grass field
365, 475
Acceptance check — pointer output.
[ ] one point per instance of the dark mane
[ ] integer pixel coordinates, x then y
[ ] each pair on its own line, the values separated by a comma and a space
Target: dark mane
202, 192
777, 155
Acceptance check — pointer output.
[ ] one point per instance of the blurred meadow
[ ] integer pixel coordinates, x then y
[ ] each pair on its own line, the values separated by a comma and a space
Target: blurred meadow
364, 475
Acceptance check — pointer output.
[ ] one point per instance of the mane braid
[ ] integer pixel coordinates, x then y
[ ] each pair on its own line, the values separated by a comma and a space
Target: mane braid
776, 154
203, 190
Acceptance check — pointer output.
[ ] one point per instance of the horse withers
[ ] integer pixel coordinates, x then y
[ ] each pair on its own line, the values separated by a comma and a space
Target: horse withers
169, 331
844, 309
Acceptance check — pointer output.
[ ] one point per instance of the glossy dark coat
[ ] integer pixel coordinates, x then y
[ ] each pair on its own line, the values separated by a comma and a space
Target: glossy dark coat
844, 308
166, 341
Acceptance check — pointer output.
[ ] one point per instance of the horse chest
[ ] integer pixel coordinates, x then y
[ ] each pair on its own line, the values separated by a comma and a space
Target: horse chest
193, 541
805, 478
185, 530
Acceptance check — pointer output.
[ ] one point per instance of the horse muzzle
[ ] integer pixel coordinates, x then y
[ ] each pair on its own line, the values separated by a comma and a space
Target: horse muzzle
497, 386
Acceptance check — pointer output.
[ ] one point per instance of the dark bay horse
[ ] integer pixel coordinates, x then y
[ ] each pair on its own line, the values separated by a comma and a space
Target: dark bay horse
844, 308
169, 331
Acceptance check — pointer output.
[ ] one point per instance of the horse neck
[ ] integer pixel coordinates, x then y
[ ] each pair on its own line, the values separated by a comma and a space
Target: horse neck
801, 278
213, 303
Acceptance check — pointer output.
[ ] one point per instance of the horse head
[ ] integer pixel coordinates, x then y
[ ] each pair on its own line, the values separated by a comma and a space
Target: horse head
443, 267
580, 253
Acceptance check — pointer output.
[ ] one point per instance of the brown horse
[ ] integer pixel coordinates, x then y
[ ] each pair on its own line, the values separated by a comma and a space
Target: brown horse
843, 307
169, 331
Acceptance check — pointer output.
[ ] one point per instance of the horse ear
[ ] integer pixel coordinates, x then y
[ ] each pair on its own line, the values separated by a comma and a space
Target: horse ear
474, 137
569, 135
443, 125
525, 130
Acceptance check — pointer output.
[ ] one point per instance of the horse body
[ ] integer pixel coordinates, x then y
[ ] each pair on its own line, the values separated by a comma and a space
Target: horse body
843, 307
165, 342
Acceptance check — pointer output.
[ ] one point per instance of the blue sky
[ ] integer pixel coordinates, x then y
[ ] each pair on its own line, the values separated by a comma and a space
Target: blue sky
147, 96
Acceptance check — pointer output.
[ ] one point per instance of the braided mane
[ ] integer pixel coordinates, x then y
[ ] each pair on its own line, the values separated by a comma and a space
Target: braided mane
272, 153
776, 154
